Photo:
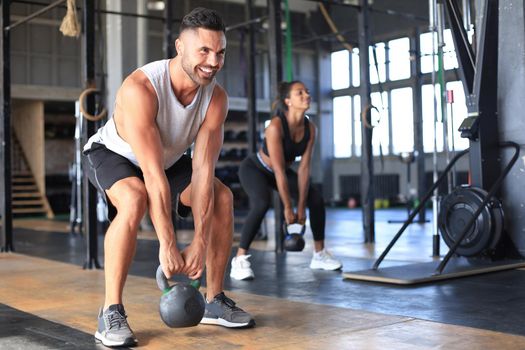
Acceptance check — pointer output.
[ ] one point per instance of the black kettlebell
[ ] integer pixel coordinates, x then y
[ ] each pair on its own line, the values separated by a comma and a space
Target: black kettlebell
294, 241
181, 305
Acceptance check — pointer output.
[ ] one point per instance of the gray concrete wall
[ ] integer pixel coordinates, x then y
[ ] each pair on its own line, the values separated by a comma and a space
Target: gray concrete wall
511, 96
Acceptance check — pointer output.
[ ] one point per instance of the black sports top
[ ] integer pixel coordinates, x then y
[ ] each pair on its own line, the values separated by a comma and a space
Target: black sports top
291, 149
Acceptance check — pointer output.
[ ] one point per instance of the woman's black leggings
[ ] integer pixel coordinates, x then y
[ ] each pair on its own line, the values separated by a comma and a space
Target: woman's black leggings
259, 184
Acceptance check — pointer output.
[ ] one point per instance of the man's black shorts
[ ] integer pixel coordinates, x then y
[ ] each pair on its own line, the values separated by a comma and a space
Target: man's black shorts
106, 167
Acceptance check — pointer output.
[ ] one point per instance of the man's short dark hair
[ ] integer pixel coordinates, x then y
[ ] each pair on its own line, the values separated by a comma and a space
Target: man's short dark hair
201, 17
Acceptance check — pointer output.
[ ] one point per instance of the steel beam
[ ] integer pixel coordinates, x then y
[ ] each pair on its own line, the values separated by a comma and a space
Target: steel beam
6, 213
90, 193
367, 158
251, 93
275, 54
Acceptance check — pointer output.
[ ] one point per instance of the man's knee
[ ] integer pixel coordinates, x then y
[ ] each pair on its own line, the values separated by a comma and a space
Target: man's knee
223, 197
129, 197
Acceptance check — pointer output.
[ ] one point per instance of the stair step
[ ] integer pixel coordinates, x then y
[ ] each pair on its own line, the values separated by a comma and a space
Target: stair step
28, 202
34, 194
22, 174
28, 210
24, 187
22, 182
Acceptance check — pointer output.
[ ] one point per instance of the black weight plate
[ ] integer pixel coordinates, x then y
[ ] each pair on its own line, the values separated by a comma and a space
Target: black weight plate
457, 208
496, 210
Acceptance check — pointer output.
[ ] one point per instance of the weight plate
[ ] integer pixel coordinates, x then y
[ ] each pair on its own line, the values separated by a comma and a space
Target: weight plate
457, 209
496, 210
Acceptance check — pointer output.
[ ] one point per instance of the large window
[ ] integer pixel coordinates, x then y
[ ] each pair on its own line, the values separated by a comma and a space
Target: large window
393, 122
449, 53
340, 70
399, 58
342, 126
402, 120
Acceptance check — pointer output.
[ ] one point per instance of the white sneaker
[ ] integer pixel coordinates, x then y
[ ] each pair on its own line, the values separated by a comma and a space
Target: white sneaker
325, 261
241, 269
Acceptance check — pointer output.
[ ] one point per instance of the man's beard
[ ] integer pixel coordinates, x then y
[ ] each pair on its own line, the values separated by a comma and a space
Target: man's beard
194, 74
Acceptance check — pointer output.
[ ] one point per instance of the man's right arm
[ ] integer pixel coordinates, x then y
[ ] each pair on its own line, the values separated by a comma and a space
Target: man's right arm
136, 114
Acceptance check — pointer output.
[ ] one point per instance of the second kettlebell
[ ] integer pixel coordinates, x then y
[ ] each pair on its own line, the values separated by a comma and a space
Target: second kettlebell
181, 305
293, 239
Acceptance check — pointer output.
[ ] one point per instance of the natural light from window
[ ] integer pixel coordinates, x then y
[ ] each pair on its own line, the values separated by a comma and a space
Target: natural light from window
342, 126
399, 57
340, 70
402, 120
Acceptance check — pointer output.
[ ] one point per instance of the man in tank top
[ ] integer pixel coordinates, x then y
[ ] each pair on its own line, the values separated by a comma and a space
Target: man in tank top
137, 161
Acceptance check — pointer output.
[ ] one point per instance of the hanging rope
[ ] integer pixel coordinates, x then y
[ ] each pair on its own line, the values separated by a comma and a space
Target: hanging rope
334, 29
87, 115
70, 25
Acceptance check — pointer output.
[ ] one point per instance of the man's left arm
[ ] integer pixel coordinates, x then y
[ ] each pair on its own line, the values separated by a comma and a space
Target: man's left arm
205, 155
303, 176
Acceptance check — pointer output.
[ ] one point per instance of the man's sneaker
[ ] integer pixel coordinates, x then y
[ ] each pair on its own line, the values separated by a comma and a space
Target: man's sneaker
113, 328
223, 312
241, 269
325, 261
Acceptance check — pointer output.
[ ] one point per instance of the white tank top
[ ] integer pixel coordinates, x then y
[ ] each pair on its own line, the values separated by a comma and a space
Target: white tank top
178, 125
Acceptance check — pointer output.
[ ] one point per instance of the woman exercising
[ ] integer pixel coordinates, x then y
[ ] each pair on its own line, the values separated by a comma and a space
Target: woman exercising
289, 135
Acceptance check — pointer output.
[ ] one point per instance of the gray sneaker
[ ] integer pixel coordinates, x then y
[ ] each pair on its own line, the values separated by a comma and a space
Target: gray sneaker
223, 312
113, 328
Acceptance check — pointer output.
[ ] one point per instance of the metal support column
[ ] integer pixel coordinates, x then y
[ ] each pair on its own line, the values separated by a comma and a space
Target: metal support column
168, 35
90, 193
6, 213
415, 51
275, 53
251, 93
367, 165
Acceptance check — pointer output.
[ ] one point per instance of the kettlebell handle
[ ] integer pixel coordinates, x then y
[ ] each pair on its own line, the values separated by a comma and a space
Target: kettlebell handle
162, 281
285, 229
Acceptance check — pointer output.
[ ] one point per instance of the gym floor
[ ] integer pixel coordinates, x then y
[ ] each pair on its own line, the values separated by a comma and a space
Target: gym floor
47, 301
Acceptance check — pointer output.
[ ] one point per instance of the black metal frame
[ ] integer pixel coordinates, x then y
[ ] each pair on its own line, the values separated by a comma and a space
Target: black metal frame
90, 192
418, 120
479, 75
275, 54
367, 158
251, 89
6, 213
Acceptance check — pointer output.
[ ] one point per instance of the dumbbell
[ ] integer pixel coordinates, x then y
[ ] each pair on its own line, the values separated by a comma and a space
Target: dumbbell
181, 305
